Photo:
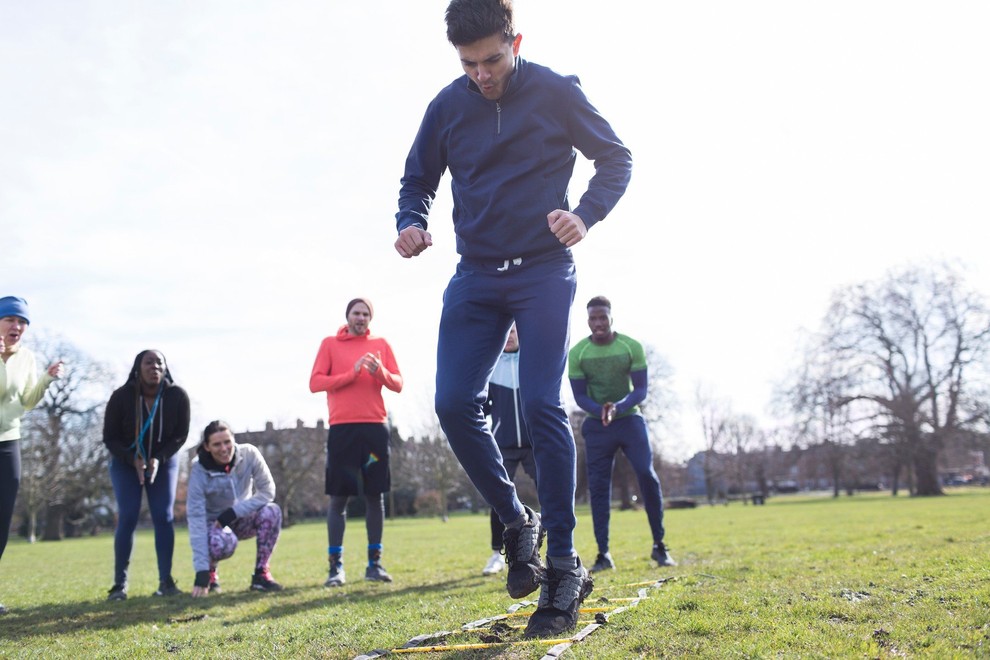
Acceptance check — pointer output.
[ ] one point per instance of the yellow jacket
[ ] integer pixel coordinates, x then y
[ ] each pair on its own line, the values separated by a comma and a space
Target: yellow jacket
20, 391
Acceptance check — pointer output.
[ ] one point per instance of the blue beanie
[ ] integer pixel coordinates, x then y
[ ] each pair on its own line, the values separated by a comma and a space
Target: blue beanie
14, 306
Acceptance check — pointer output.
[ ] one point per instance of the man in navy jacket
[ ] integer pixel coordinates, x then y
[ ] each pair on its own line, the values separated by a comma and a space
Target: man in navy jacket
508, 131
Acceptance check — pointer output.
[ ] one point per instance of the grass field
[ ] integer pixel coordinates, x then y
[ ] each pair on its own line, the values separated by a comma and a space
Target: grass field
870, 576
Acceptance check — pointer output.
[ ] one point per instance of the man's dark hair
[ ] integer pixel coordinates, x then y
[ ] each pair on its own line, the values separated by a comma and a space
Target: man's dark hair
599, 301
471, 20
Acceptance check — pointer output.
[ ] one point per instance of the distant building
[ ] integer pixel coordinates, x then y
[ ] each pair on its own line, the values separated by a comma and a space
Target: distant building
297, 459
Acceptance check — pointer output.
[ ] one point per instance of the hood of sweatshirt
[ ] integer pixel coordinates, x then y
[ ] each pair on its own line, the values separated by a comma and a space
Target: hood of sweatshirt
343, 334
206, 460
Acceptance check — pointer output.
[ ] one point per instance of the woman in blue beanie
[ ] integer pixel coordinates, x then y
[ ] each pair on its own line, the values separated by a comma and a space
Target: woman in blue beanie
145, 425
20, 391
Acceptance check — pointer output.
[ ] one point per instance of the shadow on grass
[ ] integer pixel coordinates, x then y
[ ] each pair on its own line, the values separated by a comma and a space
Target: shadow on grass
360, 593
62, 619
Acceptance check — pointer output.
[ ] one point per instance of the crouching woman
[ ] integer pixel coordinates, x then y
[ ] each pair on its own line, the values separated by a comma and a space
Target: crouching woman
231, 496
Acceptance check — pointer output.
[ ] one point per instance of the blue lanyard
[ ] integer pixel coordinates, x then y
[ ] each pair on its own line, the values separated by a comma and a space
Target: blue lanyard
147, 423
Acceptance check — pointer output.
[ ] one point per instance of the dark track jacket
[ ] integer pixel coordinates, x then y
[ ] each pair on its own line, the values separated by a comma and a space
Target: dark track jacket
511, 162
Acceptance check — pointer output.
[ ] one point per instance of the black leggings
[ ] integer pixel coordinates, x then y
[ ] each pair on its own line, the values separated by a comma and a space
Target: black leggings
374, 518
10, 481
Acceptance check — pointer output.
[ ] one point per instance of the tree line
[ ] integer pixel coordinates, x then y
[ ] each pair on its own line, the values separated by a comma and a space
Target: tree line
896, 376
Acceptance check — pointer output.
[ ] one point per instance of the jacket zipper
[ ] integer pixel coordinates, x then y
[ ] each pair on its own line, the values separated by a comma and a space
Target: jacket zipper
498, 118
515, 403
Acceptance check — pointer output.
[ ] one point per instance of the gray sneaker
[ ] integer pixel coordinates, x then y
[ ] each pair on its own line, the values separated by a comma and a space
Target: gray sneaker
561, 595
117, 592
522, 554
661, 556
603, 562
376, 573
337, 577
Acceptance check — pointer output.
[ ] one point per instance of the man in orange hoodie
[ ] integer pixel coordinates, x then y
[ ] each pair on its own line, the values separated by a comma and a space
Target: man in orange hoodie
351, 367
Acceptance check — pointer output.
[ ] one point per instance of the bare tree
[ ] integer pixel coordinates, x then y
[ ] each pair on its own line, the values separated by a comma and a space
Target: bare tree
405, 481
911, 350
715, 415
295, 458
772, 461
745, 441
64, 462
438, 469
661, 405
816, 397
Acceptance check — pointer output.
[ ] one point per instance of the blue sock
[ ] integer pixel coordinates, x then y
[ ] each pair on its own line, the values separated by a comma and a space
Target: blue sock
374, 553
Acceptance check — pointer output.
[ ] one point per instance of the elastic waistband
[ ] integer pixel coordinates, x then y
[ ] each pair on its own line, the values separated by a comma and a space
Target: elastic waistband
513, 263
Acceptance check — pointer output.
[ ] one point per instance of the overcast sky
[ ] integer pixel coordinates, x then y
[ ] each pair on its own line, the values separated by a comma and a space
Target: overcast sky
217, 179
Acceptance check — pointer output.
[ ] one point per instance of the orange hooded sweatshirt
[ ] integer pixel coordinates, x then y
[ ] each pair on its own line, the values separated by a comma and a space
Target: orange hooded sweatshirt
354, 397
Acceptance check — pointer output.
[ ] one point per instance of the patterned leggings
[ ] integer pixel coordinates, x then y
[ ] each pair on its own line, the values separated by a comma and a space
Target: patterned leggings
265, 523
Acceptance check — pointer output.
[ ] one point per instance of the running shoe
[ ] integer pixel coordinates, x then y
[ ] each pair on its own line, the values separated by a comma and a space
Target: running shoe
117, 592
561, 594
661, 556
262, 581
603, 562
522, 554
495, 564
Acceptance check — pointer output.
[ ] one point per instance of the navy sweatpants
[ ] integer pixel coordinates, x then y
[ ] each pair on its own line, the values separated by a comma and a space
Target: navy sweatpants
479, 305
600, 443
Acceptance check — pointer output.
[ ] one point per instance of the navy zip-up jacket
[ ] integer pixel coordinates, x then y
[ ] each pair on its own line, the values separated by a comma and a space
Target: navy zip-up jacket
511, 162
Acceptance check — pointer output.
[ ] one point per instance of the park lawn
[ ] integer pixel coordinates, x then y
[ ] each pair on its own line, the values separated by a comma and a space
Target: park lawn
804, 576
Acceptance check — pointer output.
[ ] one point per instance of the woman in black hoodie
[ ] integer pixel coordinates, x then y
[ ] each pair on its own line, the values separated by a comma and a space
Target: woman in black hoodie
145, 425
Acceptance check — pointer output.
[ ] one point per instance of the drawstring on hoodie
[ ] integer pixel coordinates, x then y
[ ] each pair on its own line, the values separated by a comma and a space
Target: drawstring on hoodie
509, 262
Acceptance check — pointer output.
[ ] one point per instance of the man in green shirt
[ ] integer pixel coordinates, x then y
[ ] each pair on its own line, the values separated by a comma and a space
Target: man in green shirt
608, 375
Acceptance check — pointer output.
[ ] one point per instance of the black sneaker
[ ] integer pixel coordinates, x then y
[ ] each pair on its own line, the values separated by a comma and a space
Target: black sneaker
117, 592
376, 573
3, 610
522, 555
167, 588
262, 581
661, 556
603, 562
561, 595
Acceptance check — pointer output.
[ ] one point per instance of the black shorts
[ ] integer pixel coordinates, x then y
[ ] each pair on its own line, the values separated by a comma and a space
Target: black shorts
357, 460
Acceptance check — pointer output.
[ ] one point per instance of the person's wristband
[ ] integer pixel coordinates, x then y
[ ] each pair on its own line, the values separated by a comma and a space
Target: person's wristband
227, 517
202, 579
